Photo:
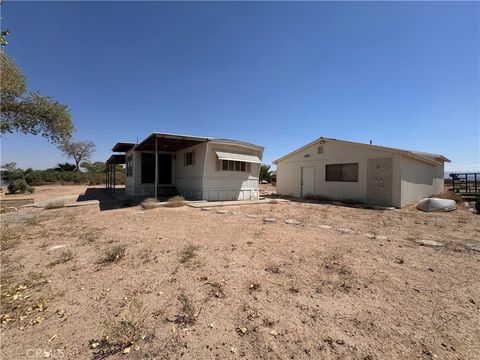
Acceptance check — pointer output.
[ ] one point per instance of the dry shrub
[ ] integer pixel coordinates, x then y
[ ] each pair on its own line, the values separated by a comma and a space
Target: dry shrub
64, 257
120, 335
125, 332
55, 204
18, 301
273, 202
114, 254
9, 238
188, 314
217, 289
340, 276
89, 237
334, 263
188, 253
175, 201
449, 195
149, 203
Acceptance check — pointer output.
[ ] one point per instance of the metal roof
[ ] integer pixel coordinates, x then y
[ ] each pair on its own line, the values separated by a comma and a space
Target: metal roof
422, 156
122, 147
116, 159
175, 142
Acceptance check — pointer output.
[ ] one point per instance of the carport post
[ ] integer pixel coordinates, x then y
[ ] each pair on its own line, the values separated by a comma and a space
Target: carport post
156, 169
114, 178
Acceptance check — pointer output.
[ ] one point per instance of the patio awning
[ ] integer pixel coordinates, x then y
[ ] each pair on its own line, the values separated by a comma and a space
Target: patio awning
169, 142
116, 159
222, 155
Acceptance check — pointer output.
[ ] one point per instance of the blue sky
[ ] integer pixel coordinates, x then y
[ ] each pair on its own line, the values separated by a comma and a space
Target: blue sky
278, 74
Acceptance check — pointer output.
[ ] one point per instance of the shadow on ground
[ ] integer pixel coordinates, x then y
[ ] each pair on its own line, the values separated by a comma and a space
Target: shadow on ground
106, 200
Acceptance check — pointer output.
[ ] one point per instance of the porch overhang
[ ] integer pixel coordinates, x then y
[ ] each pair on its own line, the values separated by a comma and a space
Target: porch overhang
222, 155
123, 147
116, 159
169, 142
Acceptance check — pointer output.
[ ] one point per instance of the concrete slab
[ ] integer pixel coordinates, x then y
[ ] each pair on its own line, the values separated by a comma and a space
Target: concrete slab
270, 220
234, 203
292, 222
472, 246
345, 230
431, 243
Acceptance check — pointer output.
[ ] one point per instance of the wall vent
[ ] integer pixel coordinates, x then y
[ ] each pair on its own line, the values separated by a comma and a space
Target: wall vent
320, 150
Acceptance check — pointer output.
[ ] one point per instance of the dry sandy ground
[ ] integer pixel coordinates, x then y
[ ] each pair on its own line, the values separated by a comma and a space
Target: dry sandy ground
46, 192
245, 289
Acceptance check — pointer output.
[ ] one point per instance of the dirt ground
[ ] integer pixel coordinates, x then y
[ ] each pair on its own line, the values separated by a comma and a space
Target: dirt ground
196, 284
46, 192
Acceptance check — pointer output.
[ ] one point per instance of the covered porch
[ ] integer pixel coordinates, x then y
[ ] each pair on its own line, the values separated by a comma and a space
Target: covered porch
110, 171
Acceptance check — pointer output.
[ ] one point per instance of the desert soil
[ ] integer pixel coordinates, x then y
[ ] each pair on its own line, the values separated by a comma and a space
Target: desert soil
196, 284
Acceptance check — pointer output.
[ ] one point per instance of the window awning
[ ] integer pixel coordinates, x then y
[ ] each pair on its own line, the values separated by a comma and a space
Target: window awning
238, 157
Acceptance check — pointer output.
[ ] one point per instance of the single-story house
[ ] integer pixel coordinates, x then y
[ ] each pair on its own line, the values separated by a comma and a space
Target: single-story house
200, 168
348, 171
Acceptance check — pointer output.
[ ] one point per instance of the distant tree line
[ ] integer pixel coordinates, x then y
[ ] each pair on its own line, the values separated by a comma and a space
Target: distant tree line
93, 174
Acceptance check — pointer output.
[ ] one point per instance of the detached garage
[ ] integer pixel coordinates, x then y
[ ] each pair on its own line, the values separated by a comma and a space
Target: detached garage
347, 171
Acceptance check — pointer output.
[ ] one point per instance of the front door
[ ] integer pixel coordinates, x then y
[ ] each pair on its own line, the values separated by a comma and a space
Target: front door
307, 181
164, 169
380, 181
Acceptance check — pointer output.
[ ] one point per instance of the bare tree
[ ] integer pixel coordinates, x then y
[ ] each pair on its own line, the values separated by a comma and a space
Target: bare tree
78, 151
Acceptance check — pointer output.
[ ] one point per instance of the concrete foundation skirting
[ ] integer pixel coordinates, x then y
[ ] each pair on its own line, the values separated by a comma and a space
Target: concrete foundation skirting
201, 204
219, 194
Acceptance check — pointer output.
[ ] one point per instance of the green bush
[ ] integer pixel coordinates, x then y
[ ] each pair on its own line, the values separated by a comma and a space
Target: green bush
50, 176
20, 185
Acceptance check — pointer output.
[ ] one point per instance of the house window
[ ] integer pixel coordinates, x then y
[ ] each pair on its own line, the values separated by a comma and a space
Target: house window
189, 158
230, 165
341, 172
129, 165
320, 150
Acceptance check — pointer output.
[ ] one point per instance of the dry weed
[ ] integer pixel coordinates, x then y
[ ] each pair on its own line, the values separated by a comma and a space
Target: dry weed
114, 254
64, 257
188, 253
9, 237
149, 203
120, 335
217, 289
188, 313
175, 201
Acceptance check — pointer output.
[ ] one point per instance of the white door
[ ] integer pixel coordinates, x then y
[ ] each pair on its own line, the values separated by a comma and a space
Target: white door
307, 181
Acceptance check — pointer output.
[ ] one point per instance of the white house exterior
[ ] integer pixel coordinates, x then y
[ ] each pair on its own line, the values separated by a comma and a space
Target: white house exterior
348, 171
199, 168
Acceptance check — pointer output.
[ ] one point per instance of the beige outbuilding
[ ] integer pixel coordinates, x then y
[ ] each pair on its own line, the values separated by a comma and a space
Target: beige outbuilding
354, 172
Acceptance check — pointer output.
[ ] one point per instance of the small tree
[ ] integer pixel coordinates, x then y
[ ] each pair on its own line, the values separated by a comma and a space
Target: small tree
10, 172
29, 112
65, 167
265, 172
78, 151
